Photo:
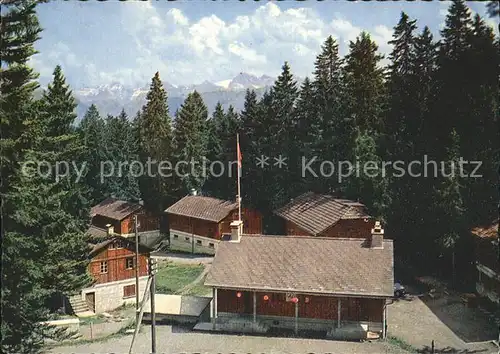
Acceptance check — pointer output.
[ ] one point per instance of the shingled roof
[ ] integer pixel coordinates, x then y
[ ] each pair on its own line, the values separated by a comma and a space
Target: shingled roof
200, 207
488, 231
317, 212
304, 264
115, 209
97, 247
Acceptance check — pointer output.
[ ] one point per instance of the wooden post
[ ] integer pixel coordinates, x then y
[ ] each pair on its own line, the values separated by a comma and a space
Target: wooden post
339, 308
145, 298
136, 271
384, 321
254, 307
213, 308
153, 314
296, 318
214, 314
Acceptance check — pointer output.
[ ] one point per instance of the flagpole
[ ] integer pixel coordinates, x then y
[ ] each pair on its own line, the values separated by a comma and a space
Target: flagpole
239, 174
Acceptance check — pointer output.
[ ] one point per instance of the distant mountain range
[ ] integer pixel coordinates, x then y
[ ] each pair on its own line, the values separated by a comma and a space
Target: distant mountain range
110, 99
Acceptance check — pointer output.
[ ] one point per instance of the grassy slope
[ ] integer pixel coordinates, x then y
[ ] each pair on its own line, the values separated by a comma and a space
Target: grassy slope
172, 277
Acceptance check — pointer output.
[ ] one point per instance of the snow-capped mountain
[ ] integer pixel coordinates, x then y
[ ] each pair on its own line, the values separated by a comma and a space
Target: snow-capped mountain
110, 99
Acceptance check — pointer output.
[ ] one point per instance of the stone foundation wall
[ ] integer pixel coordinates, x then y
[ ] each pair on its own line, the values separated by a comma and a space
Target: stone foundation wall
186, 242
109, 296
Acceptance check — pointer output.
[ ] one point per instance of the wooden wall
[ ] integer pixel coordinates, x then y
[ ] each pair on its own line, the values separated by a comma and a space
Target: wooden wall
294, 230
252, 221
147, 222
101, 222
194, 226
116, 259
317, 307
349, 228
252, 224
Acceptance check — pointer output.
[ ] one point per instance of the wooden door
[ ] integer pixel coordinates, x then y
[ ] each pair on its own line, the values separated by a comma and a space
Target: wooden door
90, 300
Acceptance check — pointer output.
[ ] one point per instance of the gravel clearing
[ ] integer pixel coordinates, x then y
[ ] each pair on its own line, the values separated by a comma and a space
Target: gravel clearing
175, 340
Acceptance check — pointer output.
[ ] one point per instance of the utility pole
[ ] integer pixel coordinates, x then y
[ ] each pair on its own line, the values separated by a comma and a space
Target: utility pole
152, 296
136, 271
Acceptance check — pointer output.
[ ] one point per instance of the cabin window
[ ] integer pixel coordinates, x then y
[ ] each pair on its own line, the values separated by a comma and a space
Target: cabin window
104, 267
129, 263
186, 239
128, 291
198, 242
211, 245
118, 244
176, 237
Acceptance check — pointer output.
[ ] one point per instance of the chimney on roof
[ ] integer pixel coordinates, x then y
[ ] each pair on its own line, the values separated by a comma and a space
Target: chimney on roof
193, 191
236, 230
377, 236
110, 229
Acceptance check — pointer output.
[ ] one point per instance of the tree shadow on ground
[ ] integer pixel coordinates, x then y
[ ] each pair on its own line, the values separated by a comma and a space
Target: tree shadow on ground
449, 350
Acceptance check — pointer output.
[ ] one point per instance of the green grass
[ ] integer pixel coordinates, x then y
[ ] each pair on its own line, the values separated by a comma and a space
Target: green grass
172, 277
397, 342
199, 289
94, 319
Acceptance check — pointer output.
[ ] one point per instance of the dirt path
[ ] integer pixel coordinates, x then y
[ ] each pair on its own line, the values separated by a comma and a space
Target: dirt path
196, 281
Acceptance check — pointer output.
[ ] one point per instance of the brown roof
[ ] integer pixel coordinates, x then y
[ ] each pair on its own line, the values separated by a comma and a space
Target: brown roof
317, 212
115, 209
200, 207
97, 232
95, 248
490, 231
304, 264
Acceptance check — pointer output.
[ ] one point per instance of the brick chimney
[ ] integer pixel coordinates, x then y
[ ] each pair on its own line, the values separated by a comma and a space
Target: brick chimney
110, 229
236, 230
377, 236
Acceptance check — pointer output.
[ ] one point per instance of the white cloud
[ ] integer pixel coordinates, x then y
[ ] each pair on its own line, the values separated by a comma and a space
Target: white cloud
186, 52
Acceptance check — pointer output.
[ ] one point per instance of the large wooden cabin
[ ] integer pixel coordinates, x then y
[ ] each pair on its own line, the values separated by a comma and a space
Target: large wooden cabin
323, 215
112, 266
197, 223
338, 286
118, 218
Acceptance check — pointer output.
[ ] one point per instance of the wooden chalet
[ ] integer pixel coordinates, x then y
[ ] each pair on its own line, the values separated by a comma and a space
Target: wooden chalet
323, 215
112, 266
338, 286
487, 255
120, 215
197, 223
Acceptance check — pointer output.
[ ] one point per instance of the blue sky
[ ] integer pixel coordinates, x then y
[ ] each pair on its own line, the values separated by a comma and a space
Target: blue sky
188, 42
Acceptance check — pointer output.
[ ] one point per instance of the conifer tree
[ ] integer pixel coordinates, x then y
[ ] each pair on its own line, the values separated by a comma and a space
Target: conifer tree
307, 132
401, 128
226, 126
65, 224
22, 290
121, 149
450, 201
92, 135
156, 145
364, 83
367, 183
249, 117
214, 149
282, 109
190, 140
274, 129
336, 134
